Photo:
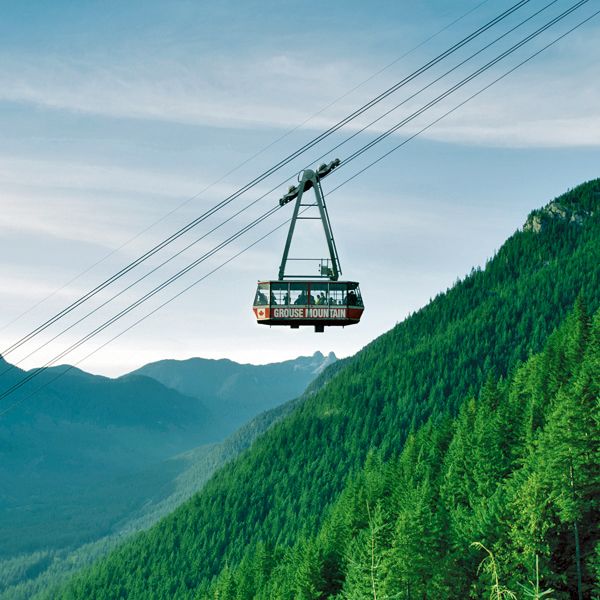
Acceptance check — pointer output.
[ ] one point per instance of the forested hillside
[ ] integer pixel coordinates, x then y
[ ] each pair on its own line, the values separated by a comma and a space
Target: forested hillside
510, 484
417, 375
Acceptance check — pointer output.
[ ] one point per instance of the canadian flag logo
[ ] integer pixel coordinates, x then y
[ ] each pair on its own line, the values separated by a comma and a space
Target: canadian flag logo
261, 313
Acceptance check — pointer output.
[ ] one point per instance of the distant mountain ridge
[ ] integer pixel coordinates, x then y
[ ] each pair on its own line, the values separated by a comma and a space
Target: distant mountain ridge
21, 577
232, 392
70, 452
87, 453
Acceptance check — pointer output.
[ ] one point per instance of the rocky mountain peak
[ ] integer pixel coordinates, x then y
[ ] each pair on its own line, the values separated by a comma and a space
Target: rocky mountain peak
555, 210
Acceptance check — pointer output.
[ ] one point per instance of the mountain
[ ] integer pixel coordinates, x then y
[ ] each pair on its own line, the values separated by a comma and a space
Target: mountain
234, 393
281, 490
84, 450
89, 457
24, 575
507, 489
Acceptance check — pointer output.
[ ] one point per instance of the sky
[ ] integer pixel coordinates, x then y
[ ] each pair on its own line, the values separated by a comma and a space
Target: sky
120, 122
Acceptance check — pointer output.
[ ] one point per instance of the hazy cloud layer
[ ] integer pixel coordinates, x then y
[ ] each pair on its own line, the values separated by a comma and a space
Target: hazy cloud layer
111, 119
535, 107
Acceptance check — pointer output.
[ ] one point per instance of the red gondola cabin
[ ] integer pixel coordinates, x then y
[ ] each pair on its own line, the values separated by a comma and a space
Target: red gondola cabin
313, 303
317, 301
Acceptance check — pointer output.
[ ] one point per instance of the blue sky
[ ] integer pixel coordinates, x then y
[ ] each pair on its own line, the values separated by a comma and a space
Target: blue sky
112, 114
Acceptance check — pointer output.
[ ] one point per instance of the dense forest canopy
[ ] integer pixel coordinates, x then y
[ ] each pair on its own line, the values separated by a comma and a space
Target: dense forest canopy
510, 484
468, 422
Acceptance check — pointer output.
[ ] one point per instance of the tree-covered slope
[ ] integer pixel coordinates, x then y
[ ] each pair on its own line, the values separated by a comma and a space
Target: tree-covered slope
512, 479
423, 368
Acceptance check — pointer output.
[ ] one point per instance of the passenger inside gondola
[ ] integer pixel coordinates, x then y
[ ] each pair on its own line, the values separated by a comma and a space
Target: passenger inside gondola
301, 299
298, 293
261, 299
343, 297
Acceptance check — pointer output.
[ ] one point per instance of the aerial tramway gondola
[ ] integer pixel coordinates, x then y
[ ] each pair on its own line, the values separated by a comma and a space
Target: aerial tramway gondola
303, 300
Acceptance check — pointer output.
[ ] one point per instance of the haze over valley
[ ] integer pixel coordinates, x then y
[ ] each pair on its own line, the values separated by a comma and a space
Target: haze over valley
300, 301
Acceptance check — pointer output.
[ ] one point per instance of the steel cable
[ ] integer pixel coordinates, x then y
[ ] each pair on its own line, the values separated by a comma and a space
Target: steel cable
261, 177
269, 213
187, 247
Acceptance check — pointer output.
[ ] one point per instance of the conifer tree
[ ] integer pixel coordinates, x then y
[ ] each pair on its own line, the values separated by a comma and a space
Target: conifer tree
365, 559
308, 569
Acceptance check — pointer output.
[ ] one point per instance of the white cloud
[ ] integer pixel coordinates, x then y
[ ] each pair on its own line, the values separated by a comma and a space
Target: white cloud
63, 175
548, 103
544, 104
548, 133
29, 289
272, 90
99, 204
